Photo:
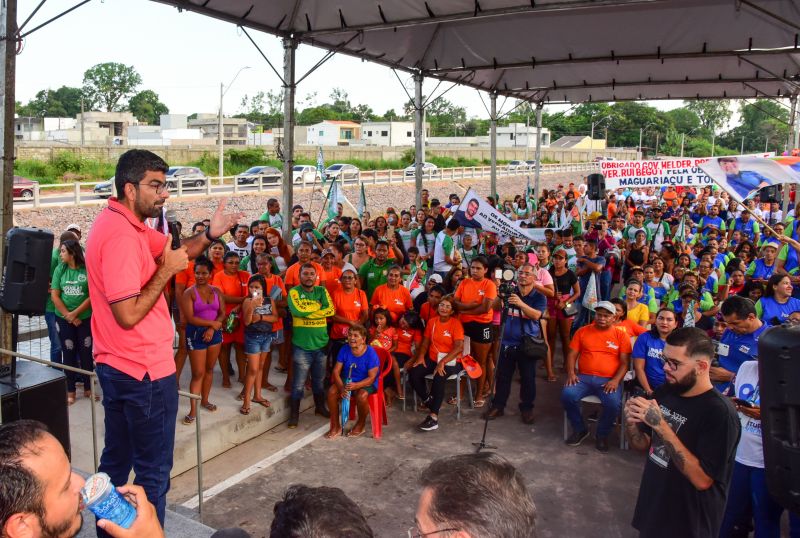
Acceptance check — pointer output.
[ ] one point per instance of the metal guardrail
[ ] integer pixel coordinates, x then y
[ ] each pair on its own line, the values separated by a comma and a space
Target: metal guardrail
79, 193
93, 377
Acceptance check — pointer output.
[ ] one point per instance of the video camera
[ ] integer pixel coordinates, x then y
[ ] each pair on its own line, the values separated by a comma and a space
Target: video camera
507, 277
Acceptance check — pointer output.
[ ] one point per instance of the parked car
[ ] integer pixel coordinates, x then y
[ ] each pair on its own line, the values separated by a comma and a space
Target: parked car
189, 176
268, 175
531, 164
428, 170
517, 166
342, 171
305, 173
105, 189
24, 187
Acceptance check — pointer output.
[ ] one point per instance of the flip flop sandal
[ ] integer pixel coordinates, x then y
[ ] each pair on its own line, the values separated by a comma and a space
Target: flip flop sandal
452, 400
188, 420
479, 403
265, 403
240, 397
271, 388
209, 406
244, 410
356, 434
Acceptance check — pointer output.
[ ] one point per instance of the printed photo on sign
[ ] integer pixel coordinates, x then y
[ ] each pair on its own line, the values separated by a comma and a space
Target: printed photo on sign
474, 212
743, 177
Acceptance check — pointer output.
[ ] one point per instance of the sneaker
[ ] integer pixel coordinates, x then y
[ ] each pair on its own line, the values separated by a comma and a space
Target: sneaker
577, 438
429, 424
601, 443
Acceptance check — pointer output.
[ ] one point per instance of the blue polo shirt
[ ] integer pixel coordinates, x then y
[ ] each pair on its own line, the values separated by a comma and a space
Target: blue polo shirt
734, 349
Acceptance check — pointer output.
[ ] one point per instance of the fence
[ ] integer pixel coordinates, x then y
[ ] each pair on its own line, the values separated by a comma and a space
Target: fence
92, 380
79, 193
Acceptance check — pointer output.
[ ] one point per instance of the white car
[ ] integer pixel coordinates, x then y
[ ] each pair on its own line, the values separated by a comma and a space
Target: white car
428, 170
343, 172
305, 173
517, 166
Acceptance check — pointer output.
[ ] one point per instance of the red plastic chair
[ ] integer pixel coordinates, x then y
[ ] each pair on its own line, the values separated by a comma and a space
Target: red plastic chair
377, 402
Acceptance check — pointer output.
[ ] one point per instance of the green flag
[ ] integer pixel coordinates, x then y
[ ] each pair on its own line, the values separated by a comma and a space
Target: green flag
680, 233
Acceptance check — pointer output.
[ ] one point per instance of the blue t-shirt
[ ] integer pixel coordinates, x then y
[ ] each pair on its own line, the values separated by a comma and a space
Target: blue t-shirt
760, 269
770, 309
650, 348
734, 349
515, 325
362, 365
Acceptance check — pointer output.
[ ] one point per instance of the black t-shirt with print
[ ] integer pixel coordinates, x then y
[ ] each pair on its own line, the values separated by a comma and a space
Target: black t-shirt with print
668, 504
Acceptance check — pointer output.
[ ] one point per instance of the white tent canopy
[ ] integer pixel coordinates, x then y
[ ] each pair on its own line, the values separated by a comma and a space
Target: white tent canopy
553, 51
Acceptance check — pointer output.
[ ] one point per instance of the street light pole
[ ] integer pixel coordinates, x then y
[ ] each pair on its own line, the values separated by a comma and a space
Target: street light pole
713, 141
220, 138
683, 140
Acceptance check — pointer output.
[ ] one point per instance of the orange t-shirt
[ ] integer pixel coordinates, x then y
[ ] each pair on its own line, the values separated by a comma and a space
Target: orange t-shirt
599, 351
427, 312
406, 337
218, 268
186, 277
470, 291
272, 281
443, 335
233, 285
631, 327
397, 301
385, 340
611, 210
349, 306
671, 197
330, 279
292, 277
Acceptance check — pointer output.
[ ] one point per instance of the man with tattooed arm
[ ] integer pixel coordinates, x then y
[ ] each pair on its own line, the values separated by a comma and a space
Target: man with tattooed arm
691, 432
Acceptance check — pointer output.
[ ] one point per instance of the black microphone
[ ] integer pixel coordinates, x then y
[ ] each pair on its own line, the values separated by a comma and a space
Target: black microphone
174, 231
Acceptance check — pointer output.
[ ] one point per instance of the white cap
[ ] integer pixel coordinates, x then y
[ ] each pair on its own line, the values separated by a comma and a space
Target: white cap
435, 278
606, 305
350, 267
73, 226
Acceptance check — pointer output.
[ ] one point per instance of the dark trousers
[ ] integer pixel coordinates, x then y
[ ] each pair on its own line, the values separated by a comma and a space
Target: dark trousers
511, 358
416, 377
140, 432
76, 349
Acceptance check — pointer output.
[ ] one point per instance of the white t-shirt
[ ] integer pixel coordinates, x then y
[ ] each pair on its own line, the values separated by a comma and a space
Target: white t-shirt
750, 451
241, 251
444, 246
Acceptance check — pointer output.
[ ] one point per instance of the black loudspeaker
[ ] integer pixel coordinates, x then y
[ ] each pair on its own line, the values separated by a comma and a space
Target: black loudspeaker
26, 276
779, 380
597, 186
770, 194
37, 393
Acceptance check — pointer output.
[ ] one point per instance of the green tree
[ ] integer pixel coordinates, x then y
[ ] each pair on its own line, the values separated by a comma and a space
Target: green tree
110, 83
340, 101
684, 120
713, 113
764, 123
64, 102
146, 106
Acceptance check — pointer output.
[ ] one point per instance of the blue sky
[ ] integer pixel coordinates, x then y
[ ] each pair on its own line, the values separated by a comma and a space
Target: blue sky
183, 57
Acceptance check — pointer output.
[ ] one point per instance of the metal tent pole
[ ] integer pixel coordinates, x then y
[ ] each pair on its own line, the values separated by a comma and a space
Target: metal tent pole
289, 87
792, 127
419, 137
539, 107
8, 57
493, 144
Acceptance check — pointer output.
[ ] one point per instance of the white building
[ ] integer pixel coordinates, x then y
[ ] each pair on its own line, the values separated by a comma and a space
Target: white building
173, 131
389, 133
333, 133
517, 135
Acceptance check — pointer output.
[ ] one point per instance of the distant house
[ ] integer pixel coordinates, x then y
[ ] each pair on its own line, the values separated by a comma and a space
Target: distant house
234, 130
389, 133
518, 135
172, 130
333, 133
578, 142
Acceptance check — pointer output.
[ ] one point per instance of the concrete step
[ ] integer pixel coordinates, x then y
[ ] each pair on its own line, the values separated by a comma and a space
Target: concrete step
220, 430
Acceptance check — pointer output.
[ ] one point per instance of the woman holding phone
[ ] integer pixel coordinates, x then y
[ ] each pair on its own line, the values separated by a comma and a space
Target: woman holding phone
259, 315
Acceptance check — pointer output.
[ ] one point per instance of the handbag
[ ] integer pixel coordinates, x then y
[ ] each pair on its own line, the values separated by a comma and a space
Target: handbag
532, 346
570, 310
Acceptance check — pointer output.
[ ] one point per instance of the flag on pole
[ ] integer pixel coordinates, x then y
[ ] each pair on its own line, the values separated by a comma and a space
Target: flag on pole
321, 165
335, 197
680, 233
362, 202
552, 222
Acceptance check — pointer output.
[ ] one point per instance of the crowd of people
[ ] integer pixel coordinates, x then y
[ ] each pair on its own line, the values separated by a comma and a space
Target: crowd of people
425, 291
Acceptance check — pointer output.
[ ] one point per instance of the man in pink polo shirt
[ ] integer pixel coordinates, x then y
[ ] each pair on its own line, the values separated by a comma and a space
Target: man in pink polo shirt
129, 264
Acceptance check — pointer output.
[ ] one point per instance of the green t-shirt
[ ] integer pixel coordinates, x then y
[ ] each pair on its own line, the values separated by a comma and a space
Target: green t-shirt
374, 274
74, 288
310, 312
55, 259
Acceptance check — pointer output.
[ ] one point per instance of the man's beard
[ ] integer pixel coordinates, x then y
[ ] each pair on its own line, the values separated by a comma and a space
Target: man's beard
146, 211
682, 386
62, 530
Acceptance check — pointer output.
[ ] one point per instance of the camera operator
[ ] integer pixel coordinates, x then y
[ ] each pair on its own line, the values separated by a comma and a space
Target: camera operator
523, 307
